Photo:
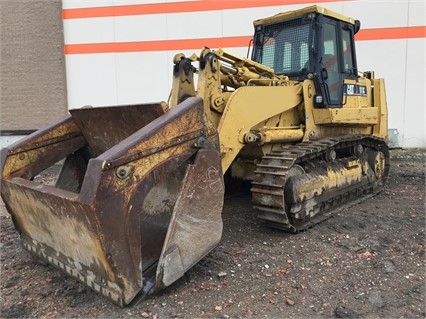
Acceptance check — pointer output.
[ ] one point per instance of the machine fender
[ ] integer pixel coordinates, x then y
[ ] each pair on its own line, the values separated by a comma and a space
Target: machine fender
269, 101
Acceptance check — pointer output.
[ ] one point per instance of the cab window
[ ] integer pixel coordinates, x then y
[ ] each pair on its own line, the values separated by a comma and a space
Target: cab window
330, 62
348, 65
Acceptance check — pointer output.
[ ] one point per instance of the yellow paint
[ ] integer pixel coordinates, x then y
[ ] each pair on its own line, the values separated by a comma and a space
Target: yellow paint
381, 129
297, 13
360, 116
280, 134
248, 106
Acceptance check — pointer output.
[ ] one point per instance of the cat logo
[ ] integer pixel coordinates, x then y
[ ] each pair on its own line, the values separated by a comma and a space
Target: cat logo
353, 89
350, 89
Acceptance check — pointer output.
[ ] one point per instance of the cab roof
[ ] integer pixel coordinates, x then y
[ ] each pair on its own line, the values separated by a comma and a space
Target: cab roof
298, 13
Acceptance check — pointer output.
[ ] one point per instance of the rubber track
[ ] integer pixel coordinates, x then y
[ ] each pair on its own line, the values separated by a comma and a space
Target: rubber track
271, 174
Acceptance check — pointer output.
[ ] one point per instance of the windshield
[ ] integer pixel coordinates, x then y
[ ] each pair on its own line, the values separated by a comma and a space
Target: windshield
283, 47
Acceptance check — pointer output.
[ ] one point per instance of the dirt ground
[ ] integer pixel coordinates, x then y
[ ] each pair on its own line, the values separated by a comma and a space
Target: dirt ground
367, 261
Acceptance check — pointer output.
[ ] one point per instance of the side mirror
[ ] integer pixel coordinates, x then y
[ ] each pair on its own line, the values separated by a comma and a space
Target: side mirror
357, 26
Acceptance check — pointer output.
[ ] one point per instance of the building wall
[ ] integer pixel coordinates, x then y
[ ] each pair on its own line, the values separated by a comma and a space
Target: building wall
32, 64
118, 54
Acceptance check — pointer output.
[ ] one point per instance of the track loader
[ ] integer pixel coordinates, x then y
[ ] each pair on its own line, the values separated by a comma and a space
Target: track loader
139, 196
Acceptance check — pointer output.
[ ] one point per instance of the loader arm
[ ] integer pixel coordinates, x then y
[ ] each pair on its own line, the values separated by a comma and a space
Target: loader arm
238, 110
238, 94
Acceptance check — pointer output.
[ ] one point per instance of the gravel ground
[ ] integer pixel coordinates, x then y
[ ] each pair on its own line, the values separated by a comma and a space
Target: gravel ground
367, 261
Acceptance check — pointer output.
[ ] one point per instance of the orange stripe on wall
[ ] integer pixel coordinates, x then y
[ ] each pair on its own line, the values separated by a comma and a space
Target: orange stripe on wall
166, 45
242, 41
391, 33
175, 7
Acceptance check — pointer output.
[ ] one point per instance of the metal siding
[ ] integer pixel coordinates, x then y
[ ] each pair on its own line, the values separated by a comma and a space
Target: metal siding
413, 85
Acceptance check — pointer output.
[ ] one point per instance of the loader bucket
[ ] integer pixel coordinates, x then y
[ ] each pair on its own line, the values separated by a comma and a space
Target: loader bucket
137, 202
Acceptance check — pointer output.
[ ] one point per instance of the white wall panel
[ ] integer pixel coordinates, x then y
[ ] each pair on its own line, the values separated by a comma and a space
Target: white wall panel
141, 28
413, 129
91, 80
402, 64
93, 30
378, 13
194, 25
143, 77
387, 60
240, 21
417, 12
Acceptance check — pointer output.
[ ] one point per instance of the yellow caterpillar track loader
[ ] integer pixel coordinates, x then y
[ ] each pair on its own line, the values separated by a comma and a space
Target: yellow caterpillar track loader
138, 199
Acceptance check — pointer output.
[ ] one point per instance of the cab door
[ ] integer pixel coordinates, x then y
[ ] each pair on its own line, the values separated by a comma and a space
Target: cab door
330, 71
330, 66
337, 60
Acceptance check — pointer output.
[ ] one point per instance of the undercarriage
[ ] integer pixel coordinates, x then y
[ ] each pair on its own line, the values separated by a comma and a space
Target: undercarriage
303, 184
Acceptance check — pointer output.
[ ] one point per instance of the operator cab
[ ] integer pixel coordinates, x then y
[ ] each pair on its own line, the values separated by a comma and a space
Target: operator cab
318, 44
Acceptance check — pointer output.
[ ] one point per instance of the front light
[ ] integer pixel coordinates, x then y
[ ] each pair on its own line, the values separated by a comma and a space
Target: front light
319, 99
